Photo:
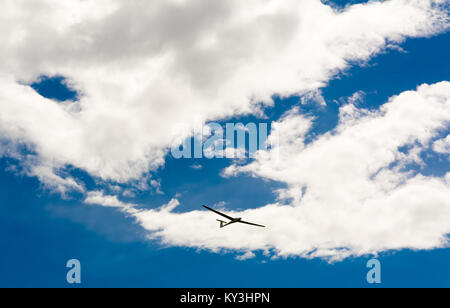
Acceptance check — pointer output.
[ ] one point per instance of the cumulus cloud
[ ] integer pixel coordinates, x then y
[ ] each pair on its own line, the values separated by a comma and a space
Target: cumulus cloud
349, 192
143, 67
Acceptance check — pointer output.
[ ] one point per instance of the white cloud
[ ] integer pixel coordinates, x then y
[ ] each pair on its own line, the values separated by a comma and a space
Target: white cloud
196, 167
144, 67
348, 194
442, 146
53, 178
246, 256
98, 198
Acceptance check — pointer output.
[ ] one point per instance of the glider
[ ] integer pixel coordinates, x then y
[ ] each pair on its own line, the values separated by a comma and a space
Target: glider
232, 220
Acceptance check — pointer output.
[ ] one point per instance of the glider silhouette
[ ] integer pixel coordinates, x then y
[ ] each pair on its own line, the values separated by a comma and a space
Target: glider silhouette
232, 220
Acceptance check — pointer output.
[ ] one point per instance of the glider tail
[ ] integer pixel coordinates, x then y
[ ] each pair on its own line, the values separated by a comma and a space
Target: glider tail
222, 223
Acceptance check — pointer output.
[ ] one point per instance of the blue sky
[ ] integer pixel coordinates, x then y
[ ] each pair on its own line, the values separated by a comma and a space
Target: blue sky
39, 231
42, 226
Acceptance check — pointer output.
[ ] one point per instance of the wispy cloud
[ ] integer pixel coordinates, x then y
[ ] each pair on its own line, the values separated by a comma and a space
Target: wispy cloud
196, 167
